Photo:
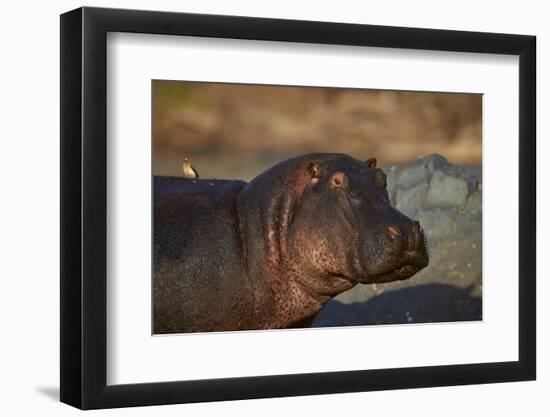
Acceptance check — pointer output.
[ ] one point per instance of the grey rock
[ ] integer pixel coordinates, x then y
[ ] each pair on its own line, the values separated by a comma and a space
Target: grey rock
447, 190
470, 173
392, 174
437, 223
420, 170
474, 203
410, 201
468, 224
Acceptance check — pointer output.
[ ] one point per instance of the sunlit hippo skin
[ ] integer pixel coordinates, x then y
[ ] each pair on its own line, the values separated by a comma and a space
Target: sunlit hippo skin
230, 255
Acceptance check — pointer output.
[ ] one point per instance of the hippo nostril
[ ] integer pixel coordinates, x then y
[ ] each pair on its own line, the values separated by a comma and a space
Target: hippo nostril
394, 232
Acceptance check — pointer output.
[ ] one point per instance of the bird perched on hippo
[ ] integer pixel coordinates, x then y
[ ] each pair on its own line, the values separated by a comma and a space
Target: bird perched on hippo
231, 255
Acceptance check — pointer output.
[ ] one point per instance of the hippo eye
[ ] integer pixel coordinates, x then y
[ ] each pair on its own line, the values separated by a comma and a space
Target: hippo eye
338, 179
380, 179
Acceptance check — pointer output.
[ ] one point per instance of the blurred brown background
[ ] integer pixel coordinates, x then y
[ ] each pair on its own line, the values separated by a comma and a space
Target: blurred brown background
237, 130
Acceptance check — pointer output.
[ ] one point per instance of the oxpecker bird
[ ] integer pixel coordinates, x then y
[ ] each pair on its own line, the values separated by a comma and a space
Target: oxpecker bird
188, 170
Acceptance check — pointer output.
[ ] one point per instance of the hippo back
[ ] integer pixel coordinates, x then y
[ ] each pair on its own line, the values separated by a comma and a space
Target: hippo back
198, 267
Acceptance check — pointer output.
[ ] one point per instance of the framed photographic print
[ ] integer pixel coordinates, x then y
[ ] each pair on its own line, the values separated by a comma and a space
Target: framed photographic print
258, 207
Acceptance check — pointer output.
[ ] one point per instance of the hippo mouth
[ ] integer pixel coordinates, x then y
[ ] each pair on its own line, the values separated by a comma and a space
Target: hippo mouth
397, 274
410, 262
413, 263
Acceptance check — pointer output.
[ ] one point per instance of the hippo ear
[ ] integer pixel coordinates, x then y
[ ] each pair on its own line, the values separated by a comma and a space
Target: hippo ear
371, 162
314, 170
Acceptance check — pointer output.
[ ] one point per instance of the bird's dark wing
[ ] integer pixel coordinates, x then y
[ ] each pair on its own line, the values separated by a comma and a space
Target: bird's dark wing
195, 171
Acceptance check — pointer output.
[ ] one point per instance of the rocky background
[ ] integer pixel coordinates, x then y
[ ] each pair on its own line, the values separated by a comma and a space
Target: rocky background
447, 201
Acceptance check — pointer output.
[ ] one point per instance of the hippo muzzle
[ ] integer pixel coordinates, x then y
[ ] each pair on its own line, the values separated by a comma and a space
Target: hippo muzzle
396, 252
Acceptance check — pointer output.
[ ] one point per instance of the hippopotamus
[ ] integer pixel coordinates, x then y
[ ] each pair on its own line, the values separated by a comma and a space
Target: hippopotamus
270, 253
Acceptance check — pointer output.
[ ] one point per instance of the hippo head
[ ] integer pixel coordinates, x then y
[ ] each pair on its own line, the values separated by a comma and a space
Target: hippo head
328, 218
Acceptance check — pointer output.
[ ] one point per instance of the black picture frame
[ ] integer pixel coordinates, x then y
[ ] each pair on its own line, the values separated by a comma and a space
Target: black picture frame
84, 207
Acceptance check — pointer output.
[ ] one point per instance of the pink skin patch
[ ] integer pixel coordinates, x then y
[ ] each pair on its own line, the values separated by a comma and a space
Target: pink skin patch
394, 230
